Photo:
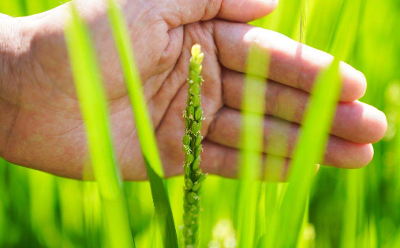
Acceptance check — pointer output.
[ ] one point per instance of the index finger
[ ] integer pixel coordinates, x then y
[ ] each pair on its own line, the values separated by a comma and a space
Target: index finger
291, 63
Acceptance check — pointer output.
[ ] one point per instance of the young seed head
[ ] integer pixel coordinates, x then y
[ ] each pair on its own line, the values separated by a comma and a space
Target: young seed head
198, 140
189, 184
196, 50
192, 147
196, 163
200, 58
189, 158
197, 151
202, 178
198, 114
197, 186
190, 112
191, 197
196, 101
195, 89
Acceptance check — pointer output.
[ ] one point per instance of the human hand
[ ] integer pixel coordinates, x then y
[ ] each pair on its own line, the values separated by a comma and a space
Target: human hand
44, 129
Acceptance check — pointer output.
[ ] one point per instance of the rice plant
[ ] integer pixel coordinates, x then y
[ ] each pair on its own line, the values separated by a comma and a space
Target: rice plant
92, 98
144, 125
328, 208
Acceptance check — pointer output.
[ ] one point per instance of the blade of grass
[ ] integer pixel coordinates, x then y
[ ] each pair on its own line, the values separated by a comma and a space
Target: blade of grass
301, 242
92, 211
303, 21
308, 152
311, 145
35, 6
343, 47
42, 190
302, 39
322, 22
273, 199
92, 100
144, 125
353, 209
12, 8
347, 29
133, 82
252, 138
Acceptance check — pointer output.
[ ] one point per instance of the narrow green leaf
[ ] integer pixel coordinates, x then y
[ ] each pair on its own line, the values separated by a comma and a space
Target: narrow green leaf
303, 21
92, 100
343, 47
309, 151
252, 139
274, 193
144, 125
13, 8
35, 6
134, 85
347, 29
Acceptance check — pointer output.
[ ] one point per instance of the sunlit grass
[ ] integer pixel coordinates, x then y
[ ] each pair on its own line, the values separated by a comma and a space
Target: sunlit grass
252, 139
308, 152
144, 125
346, 208
92, 98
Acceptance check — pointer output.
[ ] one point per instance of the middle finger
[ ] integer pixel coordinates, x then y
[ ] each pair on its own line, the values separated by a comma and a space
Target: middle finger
280, 137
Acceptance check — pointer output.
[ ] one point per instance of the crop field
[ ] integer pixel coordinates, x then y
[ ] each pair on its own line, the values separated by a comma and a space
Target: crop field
357, 208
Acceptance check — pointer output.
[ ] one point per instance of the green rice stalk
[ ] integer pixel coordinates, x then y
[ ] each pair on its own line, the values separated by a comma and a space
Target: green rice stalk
192, 148
274, 193
309, 151
35, 6
302, 39
133, 82
252, 140
343, 47
12, 8
144, 125
303, 21
92, 99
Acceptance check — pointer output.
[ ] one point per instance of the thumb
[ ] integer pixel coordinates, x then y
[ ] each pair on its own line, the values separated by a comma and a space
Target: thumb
189, 11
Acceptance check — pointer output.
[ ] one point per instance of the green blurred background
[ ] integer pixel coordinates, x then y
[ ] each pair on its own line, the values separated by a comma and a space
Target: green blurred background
357, 208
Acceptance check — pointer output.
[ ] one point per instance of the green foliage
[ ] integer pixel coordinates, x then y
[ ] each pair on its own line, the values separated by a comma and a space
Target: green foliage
308, 152
356, 208
252, 139
144, 126
92, 100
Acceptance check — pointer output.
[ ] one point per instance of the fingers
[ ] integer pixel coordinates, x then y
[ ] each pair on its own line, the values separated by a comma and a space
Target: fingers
354, 121
291, 63
280, 139
225, 161
189, 11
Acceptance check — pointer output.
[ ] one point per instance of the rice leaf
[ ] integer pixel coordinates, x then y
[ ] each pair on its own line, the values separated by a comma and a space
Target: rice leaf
133, 82
309, 151
303, 21
252, 140
348, 23
343, 47
92, 100
35, 6
144, 125
12, 8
